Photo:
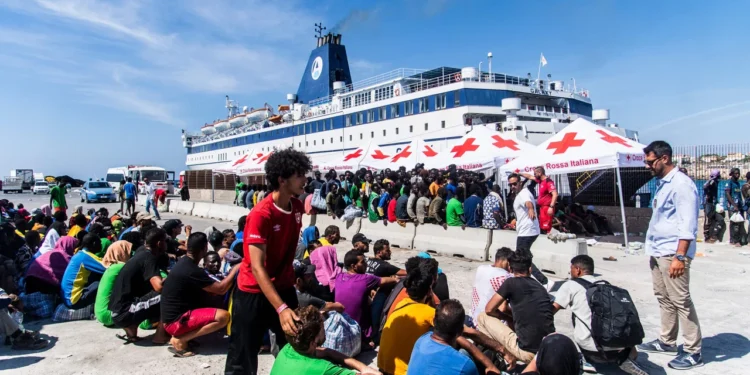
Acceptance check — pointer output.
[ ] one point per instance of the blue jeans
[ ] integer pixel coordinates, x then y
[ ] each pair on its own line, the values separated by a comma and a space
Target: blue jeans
149, 204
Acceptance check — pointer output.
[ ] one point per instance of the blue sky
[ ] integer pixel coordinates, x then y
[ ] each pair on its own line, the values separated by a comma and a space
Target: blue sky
91, 84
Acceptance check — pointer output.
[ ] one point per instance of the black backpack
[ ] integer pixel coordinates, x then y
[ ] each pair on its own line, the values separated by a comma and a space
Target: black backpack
614, 318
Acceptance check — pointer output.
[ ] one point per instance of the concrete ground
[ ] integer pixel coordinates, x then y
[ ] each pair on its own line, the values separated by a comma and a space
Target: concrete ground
719, 281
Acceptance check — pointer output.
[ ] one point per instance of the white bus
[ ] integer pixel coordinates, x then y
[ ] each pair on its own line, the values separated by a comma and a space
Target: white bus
161, 178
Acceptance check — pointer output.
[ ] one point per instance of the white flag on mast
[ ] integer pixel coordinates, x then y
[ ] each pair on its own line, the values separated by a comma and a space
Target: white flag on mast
543, 61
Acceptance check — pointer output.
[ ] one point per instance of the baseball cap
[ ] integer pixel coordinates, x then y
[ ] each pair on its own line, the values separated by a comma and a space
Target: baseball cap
359, 237
171, 224
143, 216
301, 269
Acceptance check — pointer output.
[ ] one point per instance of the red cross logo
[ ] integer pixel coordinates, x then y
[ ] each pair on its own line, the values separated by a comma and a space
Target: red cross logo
606, 137
258, 155
429, 151
467, 146
508, 143
568, 141
264, 158
379, 155
353, 155
628, 157
403, 154
240, 160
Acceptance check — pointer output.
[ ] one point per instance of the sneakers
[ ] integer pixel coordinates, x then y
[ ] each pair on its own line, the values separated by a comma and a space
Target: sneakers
587, 367
632, 368
657, 346
686, 361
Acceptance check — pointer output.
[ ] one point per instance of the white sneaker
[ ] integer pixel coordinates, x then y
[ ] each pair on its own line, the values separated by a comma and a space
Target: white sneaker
587, 367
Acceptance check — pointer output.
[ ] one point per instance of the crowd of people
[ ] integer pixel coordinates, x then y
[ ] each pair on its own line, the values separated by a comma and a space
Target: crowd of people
275, 286
734, 200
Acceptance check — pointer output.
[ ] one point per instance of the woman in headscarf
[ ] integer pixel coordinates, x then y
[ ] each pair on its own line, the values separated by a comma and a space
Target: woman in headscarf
46, 210
310, 234
115, 258
326, 266
557, 355
55, 232
46, 271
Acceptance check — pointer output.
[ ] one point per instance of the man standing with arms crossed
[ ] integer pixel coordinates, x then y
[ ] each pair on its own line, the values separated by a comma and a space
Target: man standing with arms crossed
547, 197
670, 242
265, 297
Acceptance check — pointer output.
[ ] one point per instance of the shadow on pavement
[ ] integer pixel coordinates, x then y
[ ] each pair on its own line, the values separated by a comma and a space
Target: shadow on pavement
725, 346
18, 362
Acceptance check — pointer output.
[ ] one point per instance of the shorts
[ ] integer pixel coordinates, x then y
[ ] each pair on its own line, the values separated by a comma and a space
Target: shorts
57, 209
146, 307
191, 321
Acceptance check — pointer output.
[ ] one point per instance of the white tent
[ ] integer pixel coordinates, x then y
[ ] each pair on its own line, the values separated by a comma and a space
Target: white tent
480, 149
408, 155
582, 146
346, 161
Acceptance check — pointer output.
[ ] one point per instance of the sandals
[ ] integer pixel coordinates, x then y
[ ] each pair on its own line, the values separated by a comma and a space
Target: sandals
128, 339
29, 343
180, 353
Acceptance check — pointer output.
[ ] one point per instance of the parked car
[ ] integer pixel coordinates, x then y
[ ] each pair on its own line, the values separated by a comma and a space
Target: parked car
95, 191
40, 187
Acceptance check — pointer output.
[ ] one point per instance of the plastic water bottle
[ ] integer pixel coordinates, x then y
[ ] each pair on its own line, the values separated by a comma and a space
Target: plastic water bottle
637, 201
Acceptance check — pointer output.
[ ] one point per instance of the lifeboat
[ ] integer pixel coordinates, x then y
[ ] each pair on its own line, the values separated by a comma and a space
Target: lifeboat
259, 115
221, 125
237, 120
275, 119
208, 129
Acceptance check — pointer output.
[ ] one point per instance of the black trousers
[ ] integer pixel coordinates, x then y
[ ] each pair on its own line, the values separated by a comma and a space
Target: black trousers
709, 210
252, 317
523, 243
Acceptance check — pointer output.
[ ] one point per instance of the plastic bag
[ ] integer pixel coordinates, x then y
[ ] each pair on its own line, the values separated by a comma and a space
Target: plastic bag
736, 218
318, 201
350, 213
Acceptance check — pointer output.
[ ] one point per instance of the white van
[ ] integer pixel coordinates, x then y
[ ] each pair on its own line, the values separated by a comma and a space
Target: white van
115, 176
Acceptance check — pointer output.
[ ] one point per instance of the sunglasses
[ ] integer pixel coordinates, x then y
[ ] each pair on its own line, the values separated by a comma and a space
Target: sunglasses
651, 163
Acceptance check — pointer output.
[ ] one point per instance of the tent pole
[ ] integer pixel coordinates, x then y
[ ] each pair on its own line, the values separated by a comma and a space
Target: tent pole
213, 185
622, 205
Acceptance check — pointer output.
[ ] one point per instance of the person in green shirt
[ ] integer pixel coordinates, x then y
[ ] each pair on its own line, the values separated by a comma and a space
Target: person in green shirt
57, 197
304, 353
237, 191
454, 212
372, 204
354, 193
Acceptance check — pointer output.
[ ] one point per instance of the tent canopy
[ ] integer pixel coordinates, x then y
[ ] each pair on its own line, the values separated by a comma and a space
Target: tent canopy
346, 161
580, 146
407, 155
479, 149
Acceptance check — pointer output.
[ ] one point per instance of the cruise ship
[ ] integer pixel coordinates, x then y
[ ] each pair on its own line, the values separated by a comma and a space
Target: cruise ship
331, 113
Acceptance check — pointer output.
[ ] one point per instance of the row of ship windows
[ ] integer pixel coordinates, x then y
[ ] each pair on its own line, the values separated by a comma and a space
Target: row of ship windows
223, 157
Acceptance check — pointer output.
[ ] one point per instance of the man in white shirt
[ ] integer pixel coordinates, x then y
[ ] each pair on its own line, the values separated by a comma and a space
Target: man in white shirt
573, 295
150, 202
524, 205
527, 224
488, 280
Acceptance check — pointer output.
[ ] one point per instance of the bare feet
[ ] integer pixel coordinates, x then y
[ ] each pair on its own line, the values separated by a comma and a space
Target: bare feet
178, 344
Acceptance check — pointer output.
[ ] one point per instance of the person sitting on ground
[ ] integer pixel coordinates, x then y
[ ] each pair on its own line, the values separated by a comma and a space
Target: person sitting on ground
557, 355
493, 215
573, 295
115, 258
136, 295
310, 234
402, 205
81, 278
437, 208
331, 236
19, 338
21, 210
46, 270
229, 238
488, 279
378, 264
327, 270
454, 211
182, 312
304, 355
306, 283
353, 288
38, 223
80, 223
212, 266
434, 352
26, 253
361, 243
392, 203
423, 204
532, 312
414, 316
239, 236
175, 246
56, 231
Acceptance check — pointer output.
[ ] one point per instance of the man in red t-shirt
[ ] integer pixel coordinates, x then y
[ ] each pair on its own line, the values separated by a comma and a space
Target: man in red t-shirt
265, 297
547, 197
